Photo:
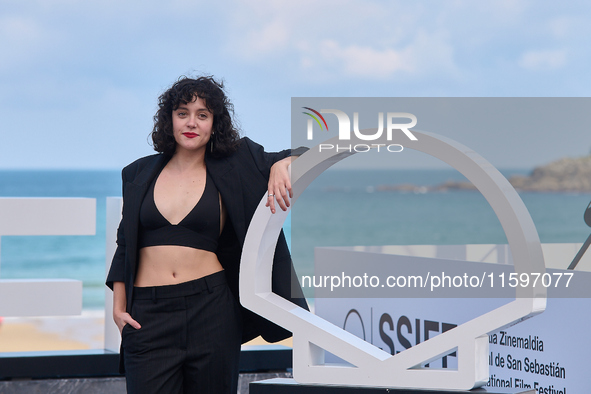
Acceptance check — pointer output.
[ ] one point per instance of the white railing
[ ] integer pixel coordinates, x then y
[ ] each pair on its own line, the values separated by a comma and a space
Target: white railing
44, 216
77, 216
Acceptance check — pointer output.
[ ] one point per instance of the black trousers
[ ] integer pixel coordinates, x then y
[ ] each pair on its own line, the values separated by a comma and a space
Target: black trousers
189, 341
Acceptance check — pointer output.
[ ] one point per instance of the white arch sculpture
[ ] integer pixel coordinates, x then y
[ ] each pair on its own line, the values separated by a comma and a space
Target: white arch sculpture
372, 366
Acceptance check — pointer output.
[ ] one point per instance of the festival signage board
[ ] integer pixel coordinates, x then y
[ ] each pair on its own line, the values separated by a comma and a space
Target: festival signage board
545, 353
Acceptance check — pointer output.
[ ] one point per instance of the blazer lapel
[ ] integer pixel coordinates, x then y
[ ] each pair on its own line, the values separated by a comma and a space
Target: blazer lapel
228, 181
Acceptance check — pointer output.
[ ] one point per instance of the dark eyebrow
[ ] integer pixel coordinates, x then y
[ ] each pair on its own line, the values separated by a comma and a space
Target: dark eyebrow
182, 107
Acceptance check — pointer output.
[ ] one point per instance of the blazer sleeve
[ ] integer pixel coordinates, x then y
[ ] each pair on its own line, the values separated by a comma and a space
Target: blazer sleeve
117, 270
264, 160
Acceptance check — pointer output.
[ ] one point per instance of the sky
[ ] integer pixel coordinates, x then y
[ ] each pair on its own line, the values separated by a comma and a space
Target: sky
79, 80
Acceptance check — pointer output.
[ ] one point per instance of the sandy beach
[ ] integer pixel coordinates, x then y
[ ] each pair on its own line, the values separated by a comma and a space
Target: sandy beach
19, 334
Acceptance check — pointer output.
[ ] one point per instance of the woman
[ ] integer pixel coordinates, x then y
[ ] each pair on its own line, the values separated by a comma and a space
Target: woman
175, 272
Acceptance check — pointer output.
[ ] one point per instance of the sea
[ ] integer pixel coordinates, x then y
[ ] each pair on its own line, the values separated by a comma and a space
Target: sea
341, 207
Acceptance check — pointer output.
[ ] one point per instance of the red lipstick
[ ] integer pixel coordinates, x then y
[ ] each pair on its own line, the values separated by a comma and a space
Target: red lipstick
190, 135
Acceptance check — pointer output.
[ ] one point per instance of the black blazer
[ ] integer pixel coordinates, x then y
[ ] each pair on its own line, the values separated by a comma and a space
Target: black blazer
241, 180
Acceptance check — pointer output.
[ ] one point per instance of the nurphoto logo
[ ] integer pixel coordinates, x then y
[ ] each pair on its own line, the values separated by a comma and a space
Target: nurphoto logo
345, 130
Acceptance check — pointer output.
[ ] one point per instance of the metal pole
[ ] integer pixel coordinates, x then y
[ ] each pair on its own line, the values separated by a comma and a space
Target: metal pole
580, 254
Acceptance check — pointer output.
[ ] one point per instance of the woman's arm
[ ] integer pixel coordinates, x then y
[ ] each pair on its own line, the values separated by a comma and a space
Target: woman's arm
115, 278
117, 270
275, 165
120, 314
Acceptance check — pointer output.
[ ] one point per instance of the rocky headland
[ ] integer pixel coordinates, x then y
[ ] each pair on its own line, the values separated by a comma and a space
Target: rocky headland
564, 175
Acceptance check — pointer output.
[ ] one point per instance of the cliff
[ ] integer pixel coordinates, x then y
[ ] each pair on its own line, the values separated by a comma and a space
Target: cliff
564, 175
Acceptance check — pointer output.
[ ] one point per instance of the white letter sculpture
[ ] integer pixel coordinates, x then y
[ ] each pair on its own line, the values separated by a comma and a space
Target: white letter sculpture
372, 366
44, 216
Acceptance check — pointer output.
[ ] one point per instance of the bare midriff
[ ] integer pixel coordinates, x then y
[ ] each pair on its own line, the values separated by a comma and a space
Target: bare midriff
170, 265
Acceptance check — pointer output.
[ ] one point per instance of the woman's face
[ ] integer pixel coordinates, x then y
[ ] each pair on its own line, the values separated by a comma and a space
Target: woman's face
192, 124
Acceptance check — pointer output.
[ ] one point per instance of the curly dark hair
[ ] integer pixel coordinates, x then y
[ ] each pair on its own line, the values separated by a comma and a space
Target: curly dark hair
225, 134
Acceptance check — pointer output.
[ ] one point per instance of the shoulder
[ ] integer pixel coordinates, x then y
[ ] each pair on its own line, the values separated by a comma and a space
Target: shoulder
246, 144
249, 156
244, 150
130, 170
142, 161
257, 151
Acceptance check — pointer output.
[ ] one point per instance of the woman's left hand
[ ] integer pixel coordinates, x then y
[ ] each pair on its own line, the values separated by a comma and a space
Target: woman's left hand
279, 185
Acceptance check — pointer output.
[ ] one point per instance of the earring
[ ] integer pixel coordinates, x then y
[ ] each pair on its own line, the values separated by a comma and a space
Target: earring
211, 138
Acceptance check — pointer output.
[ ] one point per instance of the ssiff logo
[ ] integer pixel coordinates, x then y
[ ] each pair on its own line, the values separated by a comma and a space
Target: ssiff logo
345, 129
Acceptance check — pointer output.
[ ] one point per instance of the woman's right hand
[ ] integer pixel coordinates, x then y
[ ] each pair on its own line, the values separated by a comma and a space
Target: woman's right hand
120, 314
122, 318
